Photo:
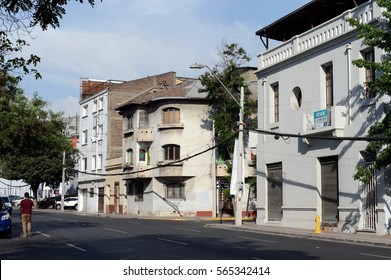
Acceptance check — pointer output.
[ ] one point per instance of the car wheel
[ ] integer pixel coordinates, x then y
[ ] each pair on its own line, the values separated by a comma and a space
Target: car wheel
58, 206
8, 234
76, 207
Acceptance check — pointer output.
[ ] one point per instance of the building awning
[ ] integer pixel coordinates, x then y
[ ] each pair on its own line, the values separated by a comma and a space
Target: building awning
305, 18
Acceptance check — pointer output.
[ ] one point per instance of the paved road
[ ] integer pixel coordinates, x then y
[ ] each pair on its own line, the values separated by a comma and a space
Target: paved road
66, 236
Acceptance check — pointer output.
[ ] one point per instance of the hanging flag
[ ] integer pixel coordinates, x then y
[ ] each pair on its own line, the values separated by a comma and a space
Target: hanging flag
234, 174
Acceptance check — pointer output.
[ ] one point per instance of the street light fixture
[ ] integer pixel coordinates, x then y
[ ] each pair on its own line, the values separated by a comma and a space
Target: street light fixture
239, 179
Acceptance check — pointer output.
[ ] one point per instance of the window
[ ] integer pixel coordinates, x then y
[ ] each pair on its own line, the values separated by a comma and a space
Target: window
83, 164
93, 163
129, 122
328, 70
369, 74
175, 190
276, 95
142, 155
99, 162
94, 106
100, 131
129, 156
84, 137
296, 98
143, 119
91, 192
171, 152
100, 103
96, 163
171, 116
139, 191
84, 111
94, 133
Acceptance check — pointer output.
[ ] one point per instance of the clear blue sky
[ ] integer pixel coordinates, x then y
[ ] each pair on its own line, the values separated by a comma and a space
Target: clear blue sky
131, 39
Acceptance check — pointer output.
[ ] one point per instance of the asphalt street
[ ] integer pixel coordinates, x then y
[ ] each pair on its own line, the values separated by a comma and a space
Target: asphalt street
66, 236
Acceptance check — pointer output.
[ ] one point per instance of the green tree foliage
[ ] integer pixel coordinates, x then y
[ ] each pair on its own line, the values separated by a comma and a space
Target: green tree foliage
32, 139
17, 19
377, 36
224, 111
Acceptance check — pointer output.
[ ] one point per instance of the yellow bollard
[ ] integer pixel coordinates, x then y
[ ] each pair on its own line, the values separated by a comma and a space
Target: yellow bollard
317, 225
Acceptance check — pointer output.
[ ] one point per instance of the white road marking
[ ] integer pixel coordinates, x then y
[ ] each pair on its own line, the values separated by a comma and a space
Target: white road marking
172, 241
136, 223
115, 230
44, 234
185, 229
78, 248
377, 256
58, 219
256, 239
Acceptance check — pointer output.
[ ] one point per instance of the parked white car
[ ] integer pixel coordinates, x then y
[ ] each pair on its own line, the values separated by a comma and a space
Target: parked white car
69, 202
17, 201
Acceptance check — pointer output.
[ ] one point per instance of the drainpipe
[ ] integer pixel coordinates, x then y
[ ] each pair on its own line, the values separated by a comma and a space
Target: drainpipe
349, 63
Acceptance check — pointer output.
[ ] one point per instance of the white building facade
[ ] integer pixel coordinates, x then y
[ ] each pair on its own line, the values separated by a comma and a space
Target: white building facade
92, 146
161, 127
309, 87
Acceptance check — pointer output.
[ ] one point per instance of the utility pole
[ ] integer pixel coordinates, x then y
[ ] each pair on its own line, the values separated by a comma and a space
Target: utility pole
240, 170
240, 183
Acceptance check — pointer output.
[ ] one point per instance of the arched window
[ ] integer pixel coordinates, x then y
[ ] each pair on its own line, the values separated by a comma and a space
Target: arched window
172, 152
171, 116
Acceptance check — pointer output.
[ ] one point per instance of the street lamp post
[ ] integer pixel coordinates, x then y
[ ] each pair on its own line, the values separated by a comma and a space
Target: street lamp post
240, 171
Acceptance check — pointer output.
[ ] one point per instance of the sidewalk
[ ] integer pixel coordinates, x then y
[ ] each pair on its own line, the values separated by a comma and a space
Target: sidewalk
359, 238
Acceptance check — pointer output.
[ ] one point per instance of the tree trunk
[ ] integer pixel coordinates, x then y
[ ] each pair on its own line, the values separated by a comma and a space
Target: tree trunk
34, 188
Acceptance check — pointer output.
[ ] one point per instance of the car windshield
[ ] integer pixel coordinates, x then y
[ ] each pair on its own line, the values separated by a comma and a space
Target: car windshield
5, 198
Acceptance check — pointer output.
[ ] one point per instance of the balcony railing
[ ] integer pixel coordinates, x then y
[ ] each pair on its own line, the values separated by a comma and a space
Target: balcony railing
325, 121
145, 135
318, 35
139, 171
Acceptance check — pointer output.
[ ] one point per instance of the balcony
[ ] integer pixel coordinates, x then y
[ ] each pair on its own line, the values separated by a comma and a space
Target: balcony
139, 172
170, 126
127, 166
321, 34
221, 169
144, 135
325, 122
127, 132
168, 170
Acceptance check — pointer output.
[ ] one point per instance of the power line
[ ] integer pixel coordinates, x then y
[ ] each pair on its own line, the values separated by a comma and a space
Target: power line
171, 163
334, 138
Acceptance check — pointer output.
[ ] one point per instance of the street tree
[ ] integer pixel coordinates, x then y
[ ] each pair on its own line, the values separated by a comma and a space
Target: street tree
224, 110
32, 139
17, 20
377, 36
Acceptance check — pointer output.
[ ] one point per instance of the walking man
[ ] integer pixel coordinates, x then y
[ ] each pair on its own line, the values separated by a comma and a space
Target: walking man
26, 208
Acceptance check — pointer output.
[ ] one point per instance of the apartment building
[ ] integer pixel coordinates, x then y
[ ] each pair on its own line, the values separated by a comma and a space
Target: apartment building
100, 185
309, 88
168, 158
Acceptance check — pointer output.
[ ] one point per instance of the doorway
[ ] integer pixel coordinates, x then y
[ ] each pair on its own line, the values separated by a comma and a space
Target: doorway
274, 191
329, 190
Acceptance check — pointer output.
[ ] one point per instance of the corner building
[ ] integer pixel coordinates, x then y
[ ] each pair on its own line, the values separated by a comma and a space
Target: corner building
308, 86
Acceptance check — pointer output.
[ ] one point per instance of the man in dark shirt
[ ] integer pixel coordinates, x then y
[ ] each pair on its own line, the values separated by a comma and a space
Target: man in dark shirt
26, 208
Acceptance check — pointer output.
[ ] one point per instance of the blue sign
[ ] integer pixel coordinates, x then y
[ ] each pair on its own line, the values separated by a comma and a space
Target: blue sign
321, 118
